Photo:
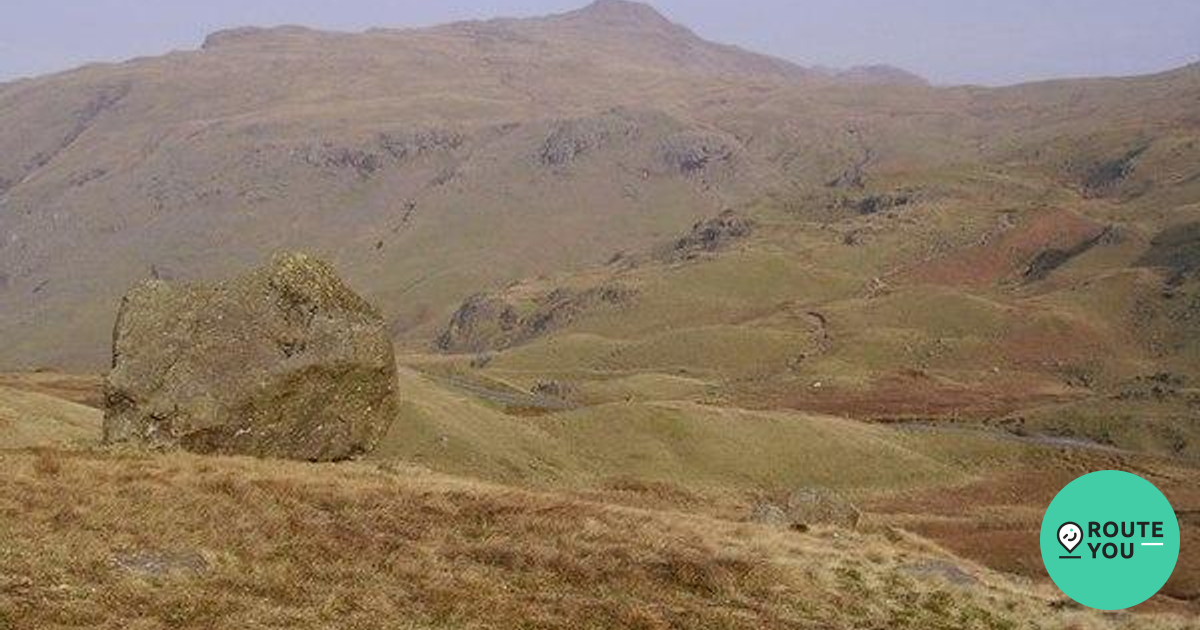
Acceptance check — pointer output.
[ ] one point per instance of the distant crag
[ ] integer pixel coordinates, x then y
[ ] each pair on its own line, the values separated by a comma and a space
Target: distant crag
285, 361
492, 322
1176, 250
708, 236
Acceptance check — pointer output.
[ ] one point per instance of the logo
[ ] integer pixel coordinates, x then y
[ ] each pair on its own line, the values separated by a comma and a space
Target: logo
1070, 535
1110, 540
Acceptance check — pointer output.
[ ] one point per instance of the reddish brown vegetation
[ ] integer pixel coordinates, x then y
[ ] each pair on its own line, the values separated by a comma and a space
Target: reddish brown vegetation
1005, 255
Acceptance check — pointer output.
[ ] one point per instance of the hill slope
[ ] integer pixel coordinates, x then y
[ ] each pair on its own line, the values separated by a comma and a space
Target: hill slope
190, 542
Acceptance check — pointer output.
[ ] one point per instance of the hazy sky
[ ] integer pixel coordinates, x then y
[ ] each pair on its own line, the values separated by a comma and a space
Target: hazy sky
948, 41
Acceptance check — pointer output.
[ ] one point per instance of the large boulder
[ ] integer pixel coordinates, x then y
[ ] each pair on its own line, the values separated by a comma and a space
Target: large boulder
285, 361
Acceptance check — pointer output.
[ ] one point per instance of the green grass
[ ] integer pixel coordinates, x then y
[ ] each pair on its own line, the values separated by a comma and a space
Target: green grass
706, 447
692, 446
33, 419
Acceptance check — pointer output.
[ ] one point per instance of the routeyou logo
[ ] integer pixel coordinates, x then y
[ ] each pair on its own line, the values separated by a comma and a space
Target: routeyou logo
1110, 540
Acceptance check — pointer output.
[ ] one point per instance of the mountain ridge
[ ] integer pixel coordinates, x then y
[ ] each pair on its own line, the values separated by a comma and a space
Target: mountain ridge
614, 17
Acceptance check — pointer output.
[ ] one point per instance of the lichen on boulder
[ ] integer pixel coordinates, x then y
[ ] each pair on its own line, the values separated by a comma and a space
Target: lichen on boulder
285, 361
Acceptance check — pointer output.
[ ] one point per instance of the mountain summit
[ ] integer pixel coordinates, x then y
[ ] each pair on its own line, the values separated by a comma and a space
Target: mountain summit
638, 33
621, 12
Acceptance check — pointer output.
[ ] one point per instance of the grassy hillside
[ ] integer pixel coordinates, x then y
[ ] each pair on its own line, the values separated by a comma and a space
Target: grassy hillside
932, 309
687, 445
662, 464
189, 542
29, 419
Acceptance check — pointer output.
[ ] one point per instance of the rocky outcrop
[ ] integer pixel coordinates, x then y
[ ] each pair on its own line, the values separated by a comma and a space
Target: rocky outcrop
1106, 178
489, 322
413, 144
571, 139
366, 159
691, 152
560, 390
339, 158
1048, 260
283, 362
874, 204
1176, 250
483, 322
709, 235
854, 176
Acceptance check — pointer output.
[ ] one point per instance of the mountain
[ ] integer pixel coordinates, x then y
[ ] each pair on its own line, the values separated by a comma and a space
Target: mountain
434, 164
401, 153
880, 73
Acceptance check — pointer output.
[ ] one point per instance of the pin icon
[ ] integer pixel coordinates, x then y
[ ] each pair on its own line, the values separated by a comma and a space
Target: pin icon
1069, 536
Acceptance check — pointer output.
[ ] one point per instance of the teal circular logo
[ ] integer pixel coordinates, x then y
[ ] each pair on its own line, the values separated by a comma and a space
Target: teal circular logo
1110, 540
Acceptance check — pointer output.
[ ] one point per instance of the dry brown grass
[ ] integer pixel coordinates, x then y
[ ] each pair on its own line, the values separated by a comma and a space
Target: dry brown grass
993, 518
127, 540
46, 462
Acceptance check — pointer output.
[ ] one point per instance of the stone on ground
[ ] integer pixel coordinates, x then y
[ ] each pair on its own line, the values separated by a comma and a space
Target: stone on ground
285, 361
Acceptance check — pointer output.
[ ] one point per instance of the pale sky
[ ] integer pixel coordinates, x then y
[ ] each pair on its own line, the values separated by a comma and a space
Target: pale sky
948, 41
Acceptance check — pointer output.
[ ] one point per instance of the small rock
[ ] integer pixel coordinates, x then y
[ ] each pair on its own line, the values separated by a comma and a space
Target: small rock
769, 514
805, 508
157, 564
948, 571
821, 506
